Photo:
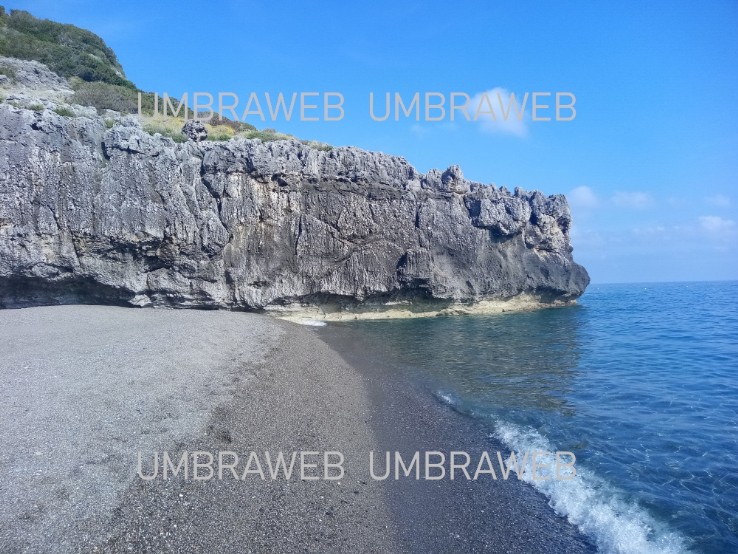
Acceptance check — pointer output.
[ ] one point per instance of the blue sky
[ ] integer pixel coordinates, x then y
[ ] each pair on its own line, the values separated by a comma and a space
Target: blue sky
650, 164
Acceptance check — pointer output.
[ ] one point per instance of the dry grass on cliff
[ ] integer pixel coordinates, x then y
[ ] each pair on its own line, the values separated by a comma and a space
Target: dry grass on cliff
172, 127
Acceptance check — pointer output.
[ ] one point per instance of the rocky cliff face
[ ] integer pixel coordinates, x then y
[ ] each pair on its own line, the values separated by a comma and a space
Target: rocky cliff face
115, 215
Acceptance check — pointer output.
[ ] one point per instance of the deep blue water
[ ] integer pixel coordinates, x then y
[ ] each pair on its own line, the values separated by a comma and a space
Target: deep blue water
639, 381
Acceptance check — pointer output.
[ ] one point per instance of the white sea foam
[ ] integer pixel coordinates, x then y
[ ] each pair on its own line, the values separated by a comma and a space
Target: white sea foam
446, 398
312, 322
593, 505
596, 507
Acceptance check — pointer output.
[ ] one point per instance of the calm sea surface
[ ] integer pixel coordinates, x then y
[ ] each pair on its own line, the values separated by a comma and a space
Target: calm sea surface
639, 381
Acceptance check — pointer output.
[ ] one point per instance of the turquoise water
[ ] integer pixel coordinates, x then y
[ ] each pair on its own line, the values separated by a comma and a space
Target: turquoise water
640, 381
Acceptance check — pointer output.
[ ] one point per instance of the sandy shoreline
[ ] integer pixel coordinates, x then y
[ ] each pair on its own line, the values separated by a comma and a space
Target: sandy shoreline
448, 516
86, 388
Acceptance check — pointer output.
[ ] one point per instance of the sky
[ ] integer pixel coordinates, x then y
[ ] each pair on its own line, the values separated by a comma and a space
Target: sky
649, 164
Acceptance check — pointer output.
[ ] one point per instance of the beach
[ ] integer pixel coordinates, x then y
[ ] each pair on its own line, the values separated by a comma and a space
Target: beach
87, 389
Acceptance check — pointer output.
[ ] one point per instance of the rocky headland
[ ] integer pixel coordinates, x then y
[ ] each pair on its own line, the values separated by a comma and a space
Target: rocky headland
95, 209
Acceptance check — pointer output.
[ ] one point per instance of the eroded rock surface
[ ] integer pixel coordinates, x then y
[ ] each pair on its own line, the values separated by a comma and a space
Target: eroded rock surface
91, 214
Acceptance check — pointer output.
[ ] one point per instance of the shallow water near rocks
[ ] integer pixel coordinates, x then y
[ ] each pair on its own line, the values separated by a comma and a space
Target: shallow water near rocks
640, 381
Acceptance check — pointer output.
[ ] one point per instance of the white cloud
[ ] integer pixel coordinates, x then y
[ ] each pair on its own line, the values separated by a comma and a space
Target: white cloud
419, 131
633, 200
422, 131
657, 236
716, 225
496, 112
582, 197
718, 200
651, 230
587, 238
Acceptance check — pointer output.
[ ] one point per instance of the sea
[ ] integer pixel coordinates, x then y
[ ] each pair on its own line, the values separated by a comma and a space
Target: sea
639, 381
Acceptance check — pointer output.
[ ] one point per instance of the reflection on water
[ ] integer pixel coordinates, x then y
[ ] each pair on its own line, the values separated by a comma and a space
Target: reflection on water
515, 363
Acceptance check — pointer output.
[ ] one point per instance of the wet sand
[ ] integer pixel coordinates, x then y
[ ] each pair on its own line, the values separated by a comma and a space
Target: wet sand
449, 515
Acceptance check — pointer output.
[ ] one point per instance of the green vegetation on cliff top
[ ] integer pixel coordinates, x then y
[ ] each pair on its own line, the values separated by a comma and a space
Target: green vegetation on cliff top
97, 77
67, 50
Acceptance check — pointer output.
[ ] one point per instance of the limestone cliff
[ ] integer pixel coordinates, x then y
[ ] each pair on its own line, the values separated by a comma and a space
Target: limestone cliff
115, 215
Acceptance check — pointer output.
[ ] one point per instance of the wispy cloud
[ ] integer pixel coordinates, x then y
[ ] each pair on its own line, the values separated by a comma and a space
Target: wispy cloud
587, 238
632, 200
583, 197
499, 111
718, 200
716, 225
423, 131
419, 131
659, 233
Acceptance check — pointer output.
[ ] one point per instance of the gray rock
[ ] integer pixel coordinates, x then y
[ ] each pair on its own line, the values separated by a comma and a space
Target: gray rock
35, 75
195, 130
117, 216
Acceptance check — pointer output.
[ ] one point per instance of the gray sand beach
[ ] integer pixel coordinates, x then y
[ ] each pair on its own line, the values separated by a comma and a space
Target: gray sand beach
86, 388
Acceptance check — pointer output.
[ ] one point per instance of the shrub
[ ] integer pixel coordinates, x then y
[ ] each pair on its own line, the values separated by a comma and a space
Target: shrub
170, 127
317, 145
37, 107
64, 112
105, 96
266, 135
220, 132
8, 71
237, 126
